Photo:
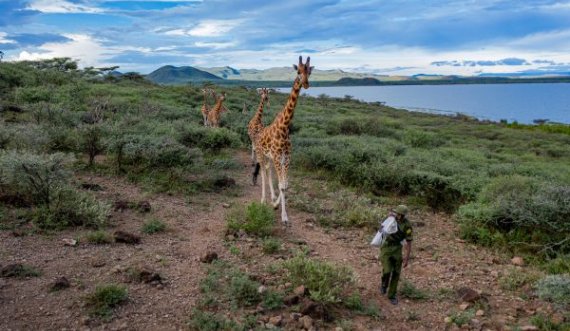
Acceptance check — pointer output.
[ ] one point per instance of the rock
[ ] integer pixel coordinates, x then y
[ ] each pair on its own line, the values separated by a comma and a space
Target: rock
338, 328
226, 205
291, 300
306, 322
528, 328
144, 206
496, 261
315, 310
127, 238
209, 257
60, 284
518, 261
467, 294
262, 289
69, 242
480, 313
300, 290
295, 316
91, 187
121, 205
149, 276
447, 320
98, 263
494, 273
118, 269
276, 320
224, 182
464, 306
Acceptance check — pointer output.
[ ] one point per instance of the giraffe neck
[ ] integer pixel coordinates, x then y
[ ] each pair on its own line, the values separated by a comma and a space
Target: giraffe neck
286, 116
218, 106
259, 112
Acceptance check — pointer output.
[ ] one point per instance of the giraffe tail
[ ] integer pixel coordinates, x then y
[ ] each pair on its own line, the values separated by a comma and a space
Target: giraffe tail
255, 173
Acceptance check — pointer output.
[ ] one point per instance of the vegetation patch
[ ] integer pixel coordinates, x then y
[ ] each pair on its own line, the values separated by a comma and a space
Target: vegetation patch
410, 291
256, 219
153, 226
105, 298
555, 288
99, 237
19, 271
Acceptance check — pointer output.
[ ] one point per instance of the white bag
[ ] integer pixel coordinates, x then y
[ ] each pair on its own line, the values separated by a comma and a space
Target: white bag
377, 240
388, 227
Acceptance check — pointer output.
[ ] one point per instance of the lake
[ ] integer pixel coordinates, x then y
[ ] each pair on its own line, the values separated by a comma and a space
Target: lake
513, 102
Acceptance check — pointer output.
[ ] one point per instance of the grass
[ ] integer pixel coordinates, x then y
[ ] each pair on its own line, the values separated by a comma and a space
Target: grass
410, 291
153, 226
20, 271
514, 279
271, 245
256, 219
98, 237
105, 298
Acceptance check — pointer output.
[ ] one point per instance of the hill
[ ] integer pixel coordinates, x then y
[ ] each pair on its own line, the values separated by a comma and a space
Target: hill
180, 75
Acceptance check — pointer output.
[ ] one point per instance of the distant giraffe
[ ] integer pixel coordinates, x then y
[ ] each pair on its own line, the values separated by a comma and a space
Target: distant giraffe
256, 125
205, 108
274, 144
217, 110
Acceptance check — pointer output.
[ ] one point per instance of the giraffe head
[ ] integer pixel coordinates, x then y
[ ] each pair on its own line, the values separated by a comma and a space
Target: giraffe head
264, 93
304, 71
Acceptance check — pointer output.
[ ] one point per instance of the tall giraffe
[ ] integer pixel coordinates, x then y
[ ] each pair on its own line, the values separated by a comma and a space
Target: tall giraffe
256, 125
215, 113
205, 108
274, 144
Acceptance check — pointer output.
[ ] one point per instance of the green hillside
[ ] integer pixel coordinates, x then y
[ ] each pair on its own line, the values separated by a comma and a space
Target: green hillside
180, 75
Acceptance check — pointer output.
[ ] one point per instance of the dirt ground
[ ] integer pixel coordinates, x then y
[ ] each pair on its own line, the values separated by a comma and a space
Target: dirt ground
441, 264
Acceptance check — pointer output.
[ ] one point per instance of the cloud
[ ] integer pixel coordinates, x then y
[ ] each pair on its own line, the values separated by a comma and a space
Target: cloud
482, 63
61, 6
215, 45
207, 28
4, 40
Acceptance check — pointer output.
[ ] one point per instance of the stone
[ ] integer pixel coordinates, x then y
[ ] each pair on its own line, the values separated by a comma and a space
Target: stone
300, 290
60, 284
467, 294
480, 313
126, 238
529, 328
144, 207
226, 205
149, 276
209, 257
295, 316
276, 320
447, 320
306, 322
518, 261
262, 289
291, 300
69, 242
464, 306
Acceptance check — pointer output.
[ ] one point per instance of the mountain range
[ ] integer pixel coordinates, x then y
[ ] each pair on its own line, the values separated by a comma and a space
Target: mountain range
173, 75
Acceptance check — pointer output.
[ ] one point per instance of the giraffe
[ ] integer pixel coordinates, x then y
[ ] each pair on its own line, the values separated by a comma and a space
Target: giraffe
205, 108
274, 144
255, 124
215, 113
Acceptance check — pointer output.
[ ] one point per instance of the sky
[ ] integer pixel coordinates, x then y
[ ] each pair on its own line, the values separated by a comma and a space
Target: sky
396, 37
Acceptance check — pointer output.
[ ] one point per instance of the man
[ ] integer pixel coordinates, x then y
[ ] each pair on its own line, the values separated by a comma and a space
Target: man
391, 253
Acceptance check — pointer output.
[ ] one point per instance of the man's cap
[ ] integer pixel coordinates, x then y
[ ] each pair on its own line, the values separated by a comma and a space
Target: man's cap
401, 209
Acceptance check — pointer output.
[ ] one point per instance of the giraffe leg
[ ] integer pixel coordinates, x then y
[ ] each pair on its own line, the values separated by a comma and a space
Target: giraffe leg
262, 182
252, 153
270, 179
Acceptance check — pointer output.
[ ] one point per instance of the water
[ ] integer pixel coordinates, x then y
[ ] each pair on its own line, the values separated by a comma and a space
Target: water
514, 102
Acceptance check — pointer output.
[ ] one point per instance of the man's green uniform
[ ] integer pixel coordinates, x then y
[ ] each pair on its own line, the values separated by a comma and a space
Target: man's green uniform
391, 256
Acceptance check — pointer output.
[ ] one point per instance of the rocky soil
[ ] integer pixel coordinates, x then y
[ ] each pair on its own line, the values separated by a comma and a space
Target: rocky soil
459, 278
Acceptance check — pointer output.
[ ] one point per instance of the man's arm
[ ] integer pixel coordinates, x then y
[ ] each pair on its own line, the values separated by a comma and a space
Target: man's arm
408, 251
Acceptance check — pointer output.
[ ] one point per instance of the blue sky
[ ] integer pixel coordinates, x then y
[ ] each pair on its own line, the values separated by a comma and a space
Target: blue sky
465, 37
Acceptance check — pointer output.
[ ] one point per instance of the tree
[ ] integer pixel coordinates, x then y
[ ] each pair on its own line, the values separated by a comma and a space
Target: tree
1, 56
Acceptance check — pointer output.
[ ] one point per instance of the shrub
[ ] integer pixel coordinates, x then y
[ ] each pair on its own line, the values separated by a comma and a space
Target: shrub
515, 279
153, 152
545, 323
19, 271
208, 321
555, 288
213, 139
153, 226
408, 290
99, 237
257, 219
325, 282
272, 300
422, 139
271, 245
105, 298
559, 265
91, 141
37, 177
244, 290
354, 302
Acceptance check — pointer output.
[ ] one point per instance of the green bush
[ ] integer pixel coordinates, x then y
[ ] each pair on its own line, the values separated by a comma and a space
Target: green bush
153, 226
244, 290
544, 323
148, 152
213, 139
98, 237
36, 177
105, 298
558, 265
257, 219
208, 321
326, 282
555, 288
272, 300
408, 290
515, 279
271, 245
19, 271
